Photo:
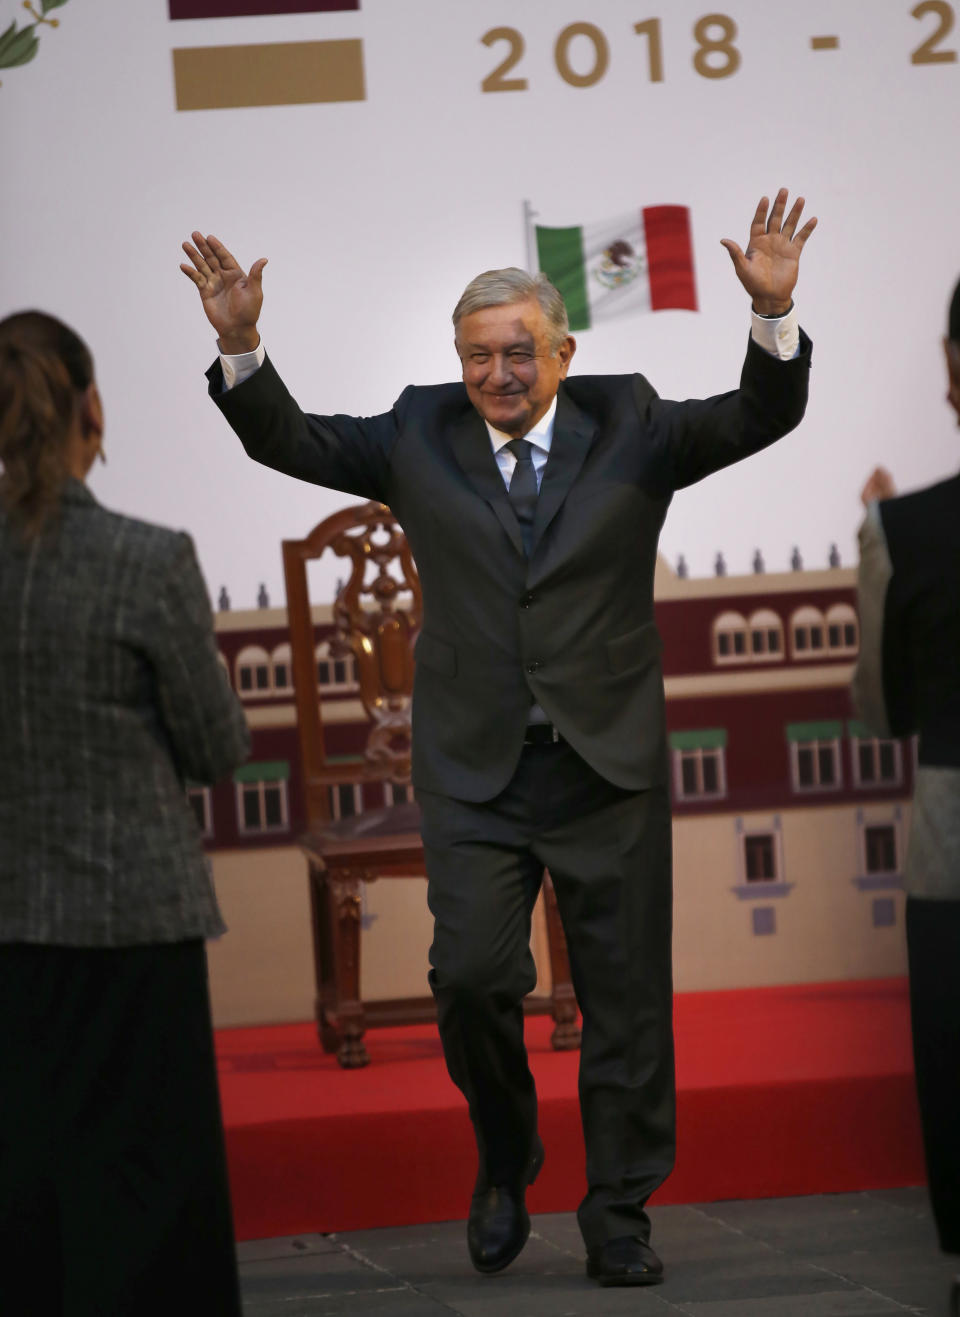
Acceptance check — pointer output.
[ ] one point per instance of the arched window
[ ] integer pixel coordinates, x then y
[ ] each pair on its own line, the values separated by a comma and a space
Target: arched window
766, 636
730, 639
334, 674
843, 633
253, 671
809, 633
282, 671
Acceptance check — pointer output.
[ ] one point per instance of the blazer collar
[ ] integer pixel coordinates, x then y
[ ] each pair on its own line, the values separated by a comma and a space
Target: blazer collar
75, 491
573, 433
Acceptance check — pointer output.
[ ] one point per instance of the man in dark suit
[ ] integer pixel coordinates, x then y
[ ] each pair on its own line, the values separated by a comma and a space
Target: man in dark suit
907, 682
532, 503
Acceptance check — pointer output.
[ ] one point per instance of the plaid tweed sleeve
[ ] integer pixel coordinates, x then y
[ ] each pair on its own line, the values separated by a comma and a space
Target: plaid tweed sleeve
203, 717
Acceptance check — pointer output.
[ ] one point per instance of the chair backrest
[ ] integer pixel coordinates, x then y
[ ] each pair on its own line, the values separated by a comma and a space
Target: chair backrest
377, 615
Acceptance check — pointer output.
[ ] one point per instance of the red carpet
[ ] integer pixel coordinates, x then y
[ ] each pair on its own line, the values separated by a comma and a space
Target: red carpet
781, 1091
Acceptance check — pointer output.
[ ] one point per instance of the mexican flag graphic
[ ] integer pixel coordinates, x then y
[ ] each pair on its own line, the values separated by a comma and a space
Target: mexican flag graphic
637, 262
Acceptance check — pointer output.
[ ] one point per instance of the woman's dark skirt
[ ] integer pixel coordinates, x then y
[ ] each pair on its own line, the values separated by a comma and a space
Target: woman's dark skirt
113, 1185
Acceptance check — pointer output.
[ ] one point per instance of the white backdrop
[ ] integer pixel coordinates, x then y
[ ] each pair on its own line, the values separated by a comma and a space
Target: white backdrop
374, 214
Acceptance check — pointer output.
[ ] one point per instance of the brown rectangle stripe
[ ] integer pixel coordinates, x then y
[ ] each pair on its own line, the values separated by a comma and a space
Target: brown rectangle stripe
282, 73
825, 43
245, 8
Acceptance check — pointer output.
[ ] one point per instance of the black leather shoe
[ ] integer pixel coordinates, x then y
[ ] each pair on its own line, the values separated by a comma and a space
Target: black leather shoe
498, 1225
626, 1260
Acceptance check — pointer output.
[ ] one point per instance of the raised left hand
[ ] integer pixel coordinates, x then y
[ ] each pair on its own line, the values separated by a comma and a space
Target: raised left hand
768, 268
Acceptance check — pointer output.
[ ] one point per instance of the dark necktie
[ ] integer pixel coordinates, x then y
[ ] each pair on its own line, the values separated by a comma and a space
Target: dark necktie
523, 489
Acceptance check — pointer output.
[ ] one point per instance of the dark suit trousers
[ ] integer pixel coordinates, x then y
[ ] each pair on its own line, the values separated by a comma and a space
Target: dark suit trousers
608, 853
933, 945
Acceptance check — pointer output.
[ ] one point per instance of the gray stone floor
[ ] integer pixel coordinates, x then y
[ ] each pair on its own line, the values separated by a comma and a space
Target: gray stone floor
842, 1255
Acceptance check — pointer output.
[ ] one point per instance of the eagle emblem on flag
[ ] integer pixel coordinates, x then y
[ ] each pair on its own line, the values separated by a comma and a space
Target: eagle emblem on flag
619, 264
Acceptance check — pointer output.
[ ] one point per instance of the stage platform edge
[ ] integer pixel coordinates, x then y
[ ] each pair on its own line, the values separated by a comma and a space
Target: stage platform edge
805, 1089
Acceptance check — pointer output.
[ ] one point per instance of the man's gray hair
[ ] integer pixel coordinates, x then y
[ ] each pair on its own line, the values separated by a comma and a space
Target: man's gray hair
503, 287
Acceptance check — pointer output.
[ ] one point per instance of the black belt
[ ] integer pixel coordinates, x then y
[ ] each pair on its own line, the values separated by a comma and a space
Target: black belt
541, 734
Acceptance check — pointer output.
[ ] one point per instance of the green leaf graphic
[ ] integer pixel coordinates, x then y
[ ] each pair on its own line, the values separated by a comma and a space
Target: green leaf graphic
17, 47
20, 46
7, 37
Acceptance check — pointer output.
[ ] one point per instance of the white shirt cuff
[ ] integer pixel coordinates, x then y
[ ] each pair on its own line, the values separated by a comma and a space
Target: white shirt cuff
241, 366
780, 337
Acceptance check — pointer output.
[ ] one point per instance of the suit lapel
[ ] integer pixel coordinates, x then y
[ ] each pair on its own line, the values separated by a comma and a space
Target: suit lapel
573, 433
572, 436
471, 447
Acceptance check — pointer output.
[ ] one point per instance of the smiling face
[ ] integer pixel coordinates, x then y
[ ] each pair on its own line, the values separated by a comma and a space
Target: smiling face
510, 372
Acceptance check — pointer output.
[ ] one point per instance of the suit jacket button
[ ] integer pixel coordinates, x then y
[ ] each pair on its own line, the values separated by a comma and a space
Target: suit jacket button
534, 666
526, 599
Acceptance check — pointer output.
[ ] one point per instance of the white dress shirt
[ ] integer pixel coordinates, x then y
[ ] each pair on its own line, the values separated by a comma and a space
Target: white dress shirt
540, 438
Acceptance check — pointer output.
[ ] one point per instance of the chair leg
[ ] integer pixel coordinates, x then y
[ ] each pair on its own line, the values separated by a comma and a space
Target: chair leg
322, 925
566, 1033
345, 1011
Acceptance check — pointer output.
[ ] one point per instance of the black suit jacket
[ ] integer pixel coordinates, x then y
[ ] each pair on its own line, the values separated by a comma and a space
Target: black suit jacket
921, 620
570, 627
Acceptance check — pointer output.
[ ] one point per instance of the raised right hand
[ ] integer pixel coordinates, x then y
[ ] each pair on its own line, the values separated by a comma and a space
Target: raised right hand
879, 486
231, 299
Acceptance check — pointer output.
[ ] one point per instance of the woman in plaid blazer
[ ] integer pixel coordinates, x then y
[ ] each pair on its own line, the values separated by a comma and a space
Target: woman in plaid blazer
113, 1189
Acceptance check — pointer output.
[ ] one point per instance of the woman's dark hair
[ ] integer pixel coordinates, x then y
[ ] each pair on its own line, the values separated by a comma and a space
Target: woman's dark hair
44, 367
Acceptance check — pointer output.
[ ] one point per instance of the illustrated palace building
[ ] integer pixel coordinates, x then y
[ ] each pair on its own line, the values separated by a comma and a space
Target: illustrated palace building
790, 818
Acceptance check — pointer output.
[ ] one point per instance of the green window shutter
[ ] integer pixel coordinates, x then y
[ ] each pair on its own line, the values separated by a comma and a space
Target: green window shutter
860, 730
824, 731
707, 738
270, 770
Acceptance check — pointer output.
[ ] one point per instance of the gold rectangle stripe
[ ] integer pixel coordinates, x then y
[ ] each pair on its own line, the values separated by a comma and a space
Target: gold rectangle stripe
825, 43
281, 73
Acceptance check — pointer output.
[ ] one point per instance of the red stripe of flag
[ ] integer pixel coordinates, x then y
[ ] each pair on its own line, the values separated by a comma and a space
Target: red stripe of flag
670, 258
250, 8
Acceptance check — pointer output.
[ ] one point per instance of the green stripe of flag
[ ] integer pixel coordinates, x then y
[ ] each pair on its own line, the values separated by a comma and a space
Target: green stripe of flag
560, 256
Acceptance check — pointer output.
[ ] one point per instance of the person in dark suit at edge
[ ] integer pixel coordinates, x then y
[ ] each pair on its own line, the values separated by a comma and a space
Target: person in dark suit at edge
113, 1180
532, 503
907, 682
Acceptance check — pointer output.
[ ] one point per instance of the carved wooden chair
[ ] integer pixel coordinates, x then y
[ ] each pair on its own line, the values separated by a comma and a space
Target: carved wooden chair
376, 618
